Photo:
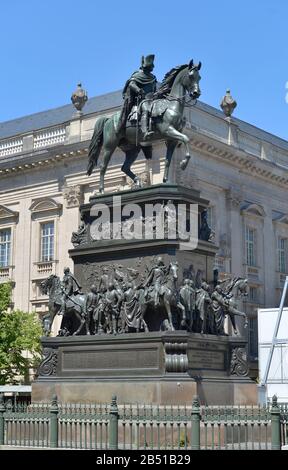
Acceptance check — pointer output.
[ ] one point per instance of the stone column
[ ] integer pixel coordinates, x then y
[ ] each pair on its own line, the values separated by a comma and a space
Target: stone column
269, 255
235, 230
22, 256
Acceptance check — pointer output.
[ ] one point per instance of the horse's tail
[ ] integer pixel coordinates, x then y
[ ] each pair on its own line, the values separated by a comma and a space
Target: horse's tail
96, 144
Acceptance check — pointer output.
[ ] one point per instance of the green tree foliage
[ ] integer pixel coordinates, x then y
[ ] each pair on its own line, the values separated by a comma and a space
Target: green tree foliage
20, 334
5, 296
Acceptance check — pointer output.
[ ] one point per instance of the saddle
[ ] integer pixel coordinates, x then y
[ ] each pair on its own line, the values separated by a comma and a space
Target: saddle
156, 109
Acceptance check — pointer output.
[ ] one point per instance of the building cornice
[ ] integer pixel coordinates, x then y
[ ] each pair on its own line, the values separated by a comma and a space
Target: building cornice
244, 161
201, 142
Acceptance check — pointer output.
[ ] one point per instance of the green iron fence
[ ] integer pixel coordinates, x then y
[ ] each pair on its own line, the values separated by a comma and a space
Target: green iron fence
91, 426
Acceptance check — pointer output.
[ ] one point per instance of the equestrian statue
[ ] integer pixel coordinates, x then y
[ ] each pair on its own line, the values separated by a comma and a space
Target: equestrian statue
147, 115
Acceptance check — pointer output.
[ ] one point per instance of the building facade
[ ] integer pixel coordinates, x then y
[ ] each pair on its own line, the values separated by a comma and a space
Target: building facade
241, 169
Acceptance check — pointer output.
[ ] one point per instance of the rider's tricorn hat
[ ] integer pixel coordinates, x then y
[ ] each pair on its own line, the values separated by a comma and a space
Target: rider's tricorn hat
148, 60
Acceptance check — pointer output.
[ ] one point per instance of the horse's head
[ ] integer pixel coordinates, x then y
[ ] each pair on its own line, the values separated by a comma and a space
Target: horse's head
243, 287
240, 286
192, 79
50, 283
173, 269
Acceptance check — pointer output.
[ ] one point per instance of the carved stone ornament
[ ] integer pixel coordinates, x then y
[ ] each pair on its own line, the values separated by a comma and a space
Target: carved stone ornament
176, 359
81, 236
228, 104
239, 365
234, 197
48, 365
73, 196
79, 98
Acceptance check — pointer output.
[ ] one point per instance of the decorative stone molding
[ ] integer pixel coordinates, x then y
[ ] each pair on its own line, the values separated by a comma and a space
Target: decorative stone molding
176, 359
238, 363
73, 196
253, 209
281, 219
239, 158
6, 213
234, 197
49, 363
44, 205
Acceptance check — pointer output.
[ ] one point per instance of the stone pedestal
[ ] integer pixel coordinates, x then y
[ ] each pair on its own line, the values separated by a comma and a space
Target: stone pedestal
157, 367
92, 256
162, 368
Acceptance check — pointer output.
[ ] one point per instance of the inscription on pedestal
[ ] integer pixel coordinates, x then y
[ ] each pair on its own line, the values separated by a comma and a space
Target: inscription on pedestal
103, 362
206, 359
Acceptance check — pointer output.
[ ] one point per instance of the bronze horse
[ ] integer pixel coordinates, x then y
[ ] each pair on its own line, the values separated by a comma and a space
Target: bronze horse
74, 307
168, 299
168, 108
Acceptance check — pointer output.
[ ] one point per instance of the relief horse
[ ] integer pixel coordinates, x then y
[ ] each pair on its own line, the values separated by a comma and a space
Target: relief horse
167, 110
74, 307
235, 288
168, 299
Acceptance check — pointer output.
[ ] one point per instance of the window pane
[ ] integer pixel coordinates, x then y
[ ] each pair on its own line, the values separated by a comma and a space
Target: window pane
5, 247
47, 241
253, 294
250, 236
282, 254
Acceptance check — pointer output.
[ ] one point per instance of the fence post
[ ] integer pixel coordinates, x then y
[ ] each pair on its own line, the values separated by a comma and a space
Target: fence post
54, 422
113, 424
195, 418
2, 420
275, 425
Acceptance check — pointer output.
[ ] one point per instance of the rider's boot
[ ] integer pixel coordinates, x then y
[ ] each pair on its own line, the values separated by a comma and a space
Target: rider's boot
147, 133
156, 298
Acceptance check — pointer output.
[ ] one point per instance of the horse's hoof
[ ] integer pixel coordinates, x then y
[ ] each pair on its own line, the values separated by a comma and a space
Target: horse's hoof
101, 190
137, 182
184, 163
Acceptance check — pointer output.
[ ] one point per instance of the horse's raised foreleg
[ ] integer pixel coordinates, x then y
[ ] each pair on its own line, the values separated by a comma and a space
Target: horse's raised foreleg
177, 136
236, 312
171, 144
131, 156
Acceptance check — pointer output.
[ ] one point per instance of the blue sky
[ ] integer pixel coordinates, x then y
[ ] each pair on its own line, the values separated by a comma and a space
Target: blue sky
48, 47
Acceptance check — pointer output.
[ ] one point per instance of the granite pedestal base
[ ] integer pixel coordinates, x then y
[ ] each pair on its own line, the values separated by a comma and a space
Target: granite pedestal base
158, 367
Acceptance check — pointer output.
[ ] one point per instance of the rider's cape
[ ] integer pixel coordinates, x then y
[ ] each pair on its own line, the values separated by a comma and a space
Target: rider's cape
146, 81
